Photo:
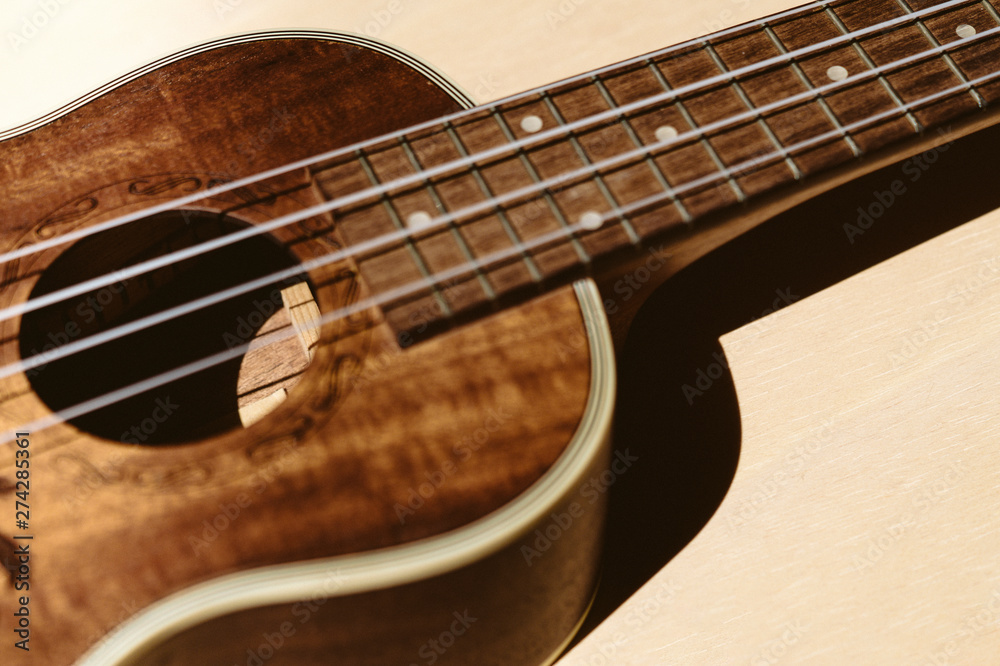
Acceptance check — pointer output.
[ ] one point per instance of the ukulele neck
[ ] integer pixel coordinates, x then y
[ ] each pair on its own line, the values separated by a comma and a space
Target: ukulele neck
489, 205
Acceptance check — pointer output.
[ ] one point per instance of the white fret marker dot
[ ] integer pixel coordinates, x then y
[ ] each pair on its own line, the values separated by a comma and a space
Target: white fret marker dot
837, 73
531, 124
418, 220
591, 220
666, 133
965, 31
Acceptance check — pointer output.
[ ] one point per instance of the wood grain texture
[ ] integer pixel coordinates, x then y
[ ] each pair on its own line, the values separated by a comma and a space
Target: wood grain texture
861, 523
535, 53
491, 51
304, 315
746, 120
121, 526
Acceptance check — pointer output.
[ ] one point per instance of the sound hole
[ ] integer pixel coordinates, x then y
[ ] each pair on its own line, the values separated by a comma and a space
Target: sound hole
199, 405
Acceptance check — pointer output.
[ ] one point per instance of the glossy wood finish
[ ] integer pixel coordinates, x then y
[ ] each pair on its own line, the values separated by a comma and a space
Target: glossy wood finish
703, 245
747, 112
335, 468
861, 520
386, 613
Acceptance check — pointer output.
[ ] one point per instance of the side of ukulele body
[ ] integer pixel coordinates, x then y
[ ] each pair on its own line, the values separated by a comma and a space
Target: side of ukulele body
399, 488
398, 500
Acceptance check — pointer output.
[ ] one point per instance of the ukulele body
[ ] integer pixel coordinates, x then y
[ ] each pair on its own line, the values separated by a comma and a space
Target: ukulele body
435, 501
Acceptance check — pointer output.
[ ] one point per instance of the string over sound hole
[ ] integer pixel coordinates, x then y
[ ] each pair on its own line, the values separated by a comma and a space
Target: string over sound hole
204, 403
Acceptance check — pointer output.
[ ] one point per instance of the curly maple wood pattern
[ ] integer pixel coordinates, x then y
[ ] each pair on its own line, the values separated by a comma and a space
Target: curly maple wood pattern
522, 612
121, 527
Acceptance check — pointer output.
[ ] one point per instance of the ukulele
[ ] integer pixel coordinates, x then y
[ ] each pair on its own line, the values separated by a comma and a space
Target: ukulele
304, 369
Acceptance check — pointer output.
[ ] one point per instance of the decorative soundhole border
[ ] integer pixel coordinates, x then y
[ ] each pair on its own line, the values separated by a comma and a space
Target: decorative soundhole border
338, 355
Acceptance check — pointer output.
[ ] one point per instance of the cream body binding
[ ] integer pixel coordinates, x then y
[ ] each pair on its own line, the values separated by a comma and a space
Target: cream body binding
490, 545
565, 50
495, 537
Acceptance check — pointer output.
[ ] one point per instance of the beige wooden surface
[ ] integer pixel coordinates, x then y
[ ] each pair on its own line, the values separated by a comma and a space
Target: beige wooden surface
491, 49
860, 527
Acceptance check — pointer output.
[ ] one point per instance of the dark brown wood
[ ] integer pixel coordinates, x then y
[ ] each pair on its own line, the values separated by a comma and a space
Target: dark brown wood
120, 526
377, 420
740, 141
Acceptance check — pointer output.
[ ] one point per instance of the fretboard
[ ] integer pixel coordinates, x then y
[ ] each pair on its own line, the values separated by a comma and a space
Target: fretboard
458, 216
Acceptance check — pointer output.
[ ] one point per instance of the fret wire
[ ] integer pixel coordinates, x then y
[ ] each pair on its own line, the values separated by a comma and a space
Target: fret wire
661, 177
901, 111
533, 173
598, 178
702, 139
741, 93
980, 102
831, 116
201, 195
921, 102
397, 221
452, 226
210, 361
332, 154
515, 239
991, 10
897, 100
